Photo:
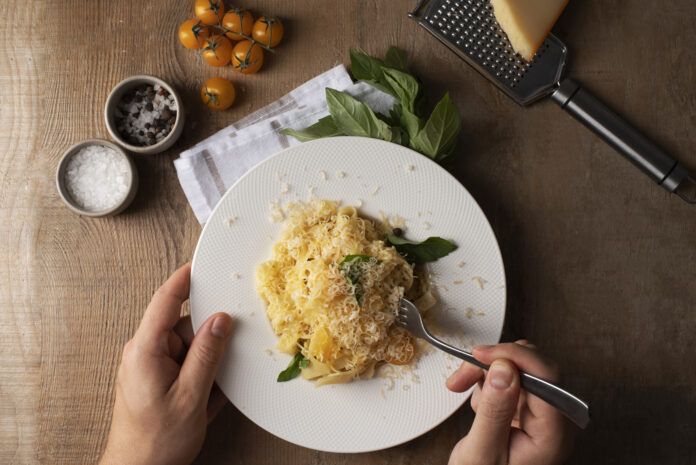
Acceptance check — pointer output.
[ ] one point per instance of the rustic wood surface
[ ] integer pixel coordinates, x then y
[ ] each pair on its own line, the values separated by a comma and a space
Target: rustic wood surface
601, 263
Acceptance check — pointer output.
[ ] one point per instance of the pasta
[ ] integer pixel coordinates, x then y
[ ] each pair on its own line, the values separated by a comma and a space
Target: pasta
331, 291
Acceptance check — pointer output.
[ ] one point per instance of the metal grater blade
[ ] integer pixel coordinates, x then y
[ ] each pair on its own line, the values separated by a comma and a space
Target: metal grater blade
469, 29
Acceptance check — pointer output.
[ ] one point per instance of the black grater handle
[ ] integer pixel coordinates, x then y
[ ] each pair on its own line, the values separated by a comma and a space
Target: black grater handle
637, 148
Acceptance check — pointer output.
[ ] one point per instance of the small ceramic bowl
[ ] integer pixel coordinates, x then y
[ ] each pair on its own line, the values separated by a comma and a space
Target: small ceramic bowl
114, 99
61, 182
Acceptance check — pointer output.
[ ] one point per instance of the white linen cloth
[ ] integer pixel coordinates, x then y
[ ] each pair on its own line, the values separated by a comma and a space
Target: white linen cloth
212, 166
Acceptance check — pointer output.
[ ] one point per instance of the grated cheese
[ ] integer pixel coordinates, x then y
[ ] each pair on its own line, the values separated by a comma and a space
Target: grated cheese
480, 281
311, 305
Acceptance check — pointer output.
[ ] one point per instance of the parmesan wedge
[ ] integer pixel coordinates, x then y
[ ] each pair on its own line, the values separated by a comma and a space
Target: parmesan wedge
527, 22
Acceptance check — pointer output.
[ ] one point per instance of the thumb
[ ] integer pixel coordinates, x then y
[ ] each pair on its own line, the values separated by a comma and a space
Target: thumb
203, 358
490, 433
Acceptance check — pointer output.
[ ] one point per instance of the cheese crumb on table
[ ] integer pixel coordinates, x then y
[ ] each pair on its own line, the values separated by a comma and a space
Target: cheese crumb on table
323, 175
528, 22
340, 175
285, 188
426, 225
375, 190
235, 276
409, 168
461, 264
229, 221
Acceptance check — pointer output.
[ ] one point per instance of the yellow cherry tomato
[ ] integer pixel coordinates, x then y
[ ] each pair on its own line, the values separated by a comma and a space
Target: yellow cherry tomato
217, 51
267, 30
237, 20
218, 93
247, 57
193, 33
209, 11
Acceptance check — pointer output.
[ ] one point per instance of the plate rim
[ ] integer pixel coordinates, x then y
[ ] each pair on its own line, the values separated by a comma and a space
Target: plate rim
465, 395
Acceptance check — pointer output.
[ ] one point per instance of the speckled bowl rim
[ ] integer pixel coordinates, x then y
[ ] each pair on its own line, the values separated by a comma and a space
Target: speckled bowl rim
65, 194
116, 95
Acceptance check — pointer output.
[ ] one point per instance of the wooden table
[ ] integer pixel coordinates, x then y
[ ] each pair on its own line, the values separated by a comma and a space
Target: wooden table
601, 263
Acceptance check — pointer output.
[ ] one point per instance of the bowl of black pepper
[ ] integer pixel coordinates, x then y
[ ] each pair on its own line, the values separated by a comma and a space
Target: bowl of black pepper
144, 114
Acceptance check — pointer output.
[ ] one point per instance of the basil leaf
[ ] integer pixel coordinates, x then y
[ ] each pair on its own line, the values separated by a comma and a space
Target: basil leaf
294, 368
325, 127
396, 58
399, 136
369, 69
404, 85
422, 252
350, 269
440, 131
411, 124
354, 118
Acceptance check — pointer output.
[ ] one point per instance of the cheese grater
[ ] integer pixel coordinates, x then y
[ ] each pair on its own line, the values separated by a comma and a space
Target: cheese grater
470, 30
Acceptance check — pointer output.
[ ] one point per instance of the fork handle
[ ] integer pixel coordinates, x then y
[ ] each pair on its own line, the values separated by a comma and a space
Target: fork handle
573, 408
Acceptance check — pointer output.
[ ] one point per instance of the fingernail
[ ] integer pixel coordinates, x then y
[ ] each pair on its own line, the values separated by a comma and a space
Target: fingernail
500, 375
221, 327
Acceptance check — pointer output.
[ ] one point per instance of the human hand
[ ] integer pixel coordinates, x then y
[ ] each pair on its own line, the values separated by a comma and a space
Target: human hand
511, 426
164, 393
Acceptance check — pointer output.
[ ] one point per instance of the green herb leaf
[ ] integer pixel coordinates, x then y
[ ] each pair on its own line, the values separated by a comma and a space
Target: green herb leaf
354, 118
411, 124
422, 252
325, 127
396, 58
350, 267
294, 368
369, 69
439, 134
405, 86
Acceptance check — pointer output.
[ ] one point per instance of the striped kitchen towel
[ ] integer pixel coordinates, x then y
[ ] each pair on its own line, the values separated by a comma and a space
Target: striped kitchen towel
212, 166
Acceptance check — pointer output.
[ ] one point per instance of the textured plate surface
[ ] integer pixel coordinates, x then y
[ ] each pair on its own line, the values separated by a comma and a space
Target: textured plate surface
396, 405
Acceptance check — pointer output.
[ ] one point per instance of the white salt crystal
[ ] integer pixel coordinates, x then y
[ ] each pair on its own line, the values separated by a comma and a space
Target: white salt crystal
97, 178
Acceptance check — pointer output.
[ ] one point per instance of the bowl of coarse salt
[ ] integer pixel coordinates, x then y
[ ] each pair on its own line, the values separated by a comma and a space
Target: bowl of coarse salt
96, 177
144, 114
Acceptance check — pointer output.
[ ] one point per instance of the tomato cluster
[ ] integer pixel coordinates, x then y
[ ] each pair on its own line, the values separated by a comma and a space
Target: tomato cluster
215, 30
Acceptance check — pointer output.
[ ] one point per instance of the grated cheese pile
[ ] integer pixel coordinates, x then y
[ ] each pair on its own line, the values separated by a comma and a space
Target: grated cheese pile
313, 308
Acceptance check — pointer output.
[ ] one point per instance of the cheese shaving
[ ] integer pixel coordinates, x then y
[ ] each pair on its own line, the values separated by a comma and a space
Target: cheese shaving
313, 307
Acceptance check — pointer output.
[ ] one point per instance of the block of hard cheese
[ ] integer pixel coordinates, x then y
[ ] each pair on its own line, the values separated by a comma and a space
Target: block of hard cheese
527, 22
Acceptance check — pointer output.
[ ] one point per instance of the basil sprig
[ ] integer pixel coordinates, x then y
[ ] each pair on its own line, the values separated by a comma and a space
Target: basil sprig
294, 368
406, 124
351, 268
422, 252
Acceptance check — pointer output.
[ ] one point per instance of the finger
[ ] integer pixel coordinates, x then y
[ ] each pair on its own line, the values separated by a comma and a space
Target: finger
177, 350
526, 358
476, 395
203, 357
164, 310
490, 433
216, 401
185, 330
521, 412
526, 343
466, 376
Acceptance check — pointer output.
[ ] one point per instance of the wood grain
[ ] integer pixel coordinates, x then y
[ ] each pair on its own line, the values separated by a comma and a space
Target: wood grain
600, 261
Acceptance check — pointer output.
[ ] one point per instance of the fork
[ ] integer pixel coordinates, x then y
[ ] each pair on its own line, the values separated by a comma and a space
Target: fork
576, 410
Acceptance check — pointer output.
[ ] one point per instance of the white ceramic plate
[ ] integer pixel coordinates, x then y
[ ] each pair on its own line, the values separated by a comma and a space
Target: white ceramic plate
363, 415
